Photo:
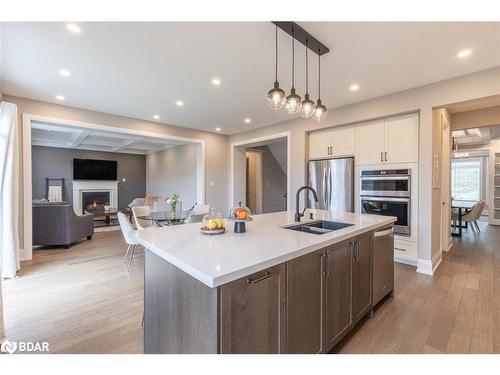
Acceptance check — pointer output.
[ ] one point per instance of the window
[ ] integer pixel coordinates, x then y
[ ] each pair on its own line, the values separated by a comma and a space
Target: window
466, 179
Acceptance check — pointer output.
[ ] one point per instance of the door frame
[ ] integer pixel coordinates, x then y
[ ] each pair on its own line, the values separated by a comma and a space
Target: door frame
259, 168
445, 237
236, 147
28, 118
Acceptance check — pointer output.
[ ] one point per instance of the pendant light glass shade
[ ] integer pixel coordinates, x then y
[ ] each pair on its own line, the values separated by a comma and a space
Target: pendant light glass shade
308, 107
320, 111
293, 103
276, 96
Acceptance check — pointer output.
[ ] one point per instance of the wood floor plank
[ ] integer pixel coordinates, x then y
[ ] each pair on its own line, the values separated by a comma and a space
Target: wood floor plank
83, 300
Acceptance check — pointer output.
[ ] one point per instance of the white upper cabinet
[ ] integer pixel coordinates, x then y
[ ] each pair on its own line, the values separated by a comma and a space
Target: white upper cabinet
320, 143
343, 141
393, 140
401, 139
332, 142
370, 143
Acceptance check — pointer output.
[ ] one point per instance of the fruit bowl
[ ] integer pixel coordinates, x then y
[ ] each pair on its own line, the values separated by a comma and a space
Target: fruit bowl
212, 223
240, 215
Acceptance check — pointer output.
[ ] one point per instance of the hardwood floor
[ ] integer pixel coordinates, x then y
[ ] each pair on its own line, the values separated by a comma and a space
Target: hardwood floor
80, 300
83, 300
455, 311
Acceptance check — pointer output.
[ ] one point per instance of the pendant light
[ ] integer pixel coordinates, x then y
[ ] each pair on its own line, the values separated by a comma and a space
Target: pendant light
276, 96
320, 111
293, 102
307, 109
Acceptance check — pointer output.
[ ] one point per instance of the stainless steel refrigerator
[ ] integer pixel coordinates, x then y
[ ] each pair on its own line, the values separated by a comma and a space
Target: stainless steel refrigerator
333, 180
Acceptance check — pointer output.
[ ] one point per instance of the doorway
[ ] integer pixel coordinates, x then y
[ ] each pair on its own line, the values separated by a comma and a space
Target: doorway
260, 173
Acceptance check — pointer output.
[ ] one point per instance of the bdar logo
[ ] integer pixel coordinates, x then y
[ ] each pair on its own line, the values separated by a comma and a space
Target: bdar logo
9, 347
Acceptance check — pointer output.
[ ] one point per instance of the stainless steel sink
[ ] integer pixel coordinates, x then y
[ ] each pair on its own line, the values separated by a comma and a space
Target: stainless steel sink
319, 226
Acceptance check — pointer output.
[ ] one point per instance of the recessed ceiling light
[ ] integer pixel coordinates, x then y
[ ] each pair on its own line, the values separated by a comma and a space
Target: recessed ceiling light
248, 121
464, 53
60, 97
354, 87
73, 28
216, 81
64, 73
179, 103
218, 129
156, 117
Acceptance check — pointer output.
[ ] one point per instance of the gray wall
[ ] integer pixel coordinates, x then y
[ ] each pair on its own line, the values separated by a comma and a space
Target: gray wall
173, 171
273, 178
58, 162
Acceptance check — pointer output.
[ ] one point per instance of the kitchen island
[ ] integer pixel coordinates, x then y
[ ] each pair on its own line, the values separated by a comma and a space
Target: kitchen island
269, 290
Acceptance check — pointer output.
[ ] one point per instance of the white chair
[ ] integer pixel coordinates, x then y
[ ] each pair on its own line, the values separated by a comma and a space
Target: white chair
472, 216
195, 218
201, 209
127, 232
141, 211
137, 202
161, 206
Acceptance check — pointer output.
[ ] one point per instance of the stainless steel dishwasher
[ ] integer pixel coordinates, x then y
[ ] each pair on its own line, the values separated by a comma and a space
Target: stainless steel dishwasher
383, 263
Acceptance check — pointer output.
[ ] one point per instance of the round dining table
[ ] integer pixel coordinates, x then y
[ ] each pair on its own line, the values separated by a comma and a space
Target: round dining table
160, 218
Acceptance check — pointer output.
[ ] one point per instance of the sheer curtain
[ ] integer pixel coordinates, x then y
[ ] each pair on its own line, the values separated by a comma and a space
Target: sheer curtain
9, 187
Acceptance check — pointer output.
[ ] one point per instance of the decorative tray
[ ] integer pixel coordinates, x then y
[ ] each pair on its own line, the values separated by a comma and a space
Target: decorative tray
212, 231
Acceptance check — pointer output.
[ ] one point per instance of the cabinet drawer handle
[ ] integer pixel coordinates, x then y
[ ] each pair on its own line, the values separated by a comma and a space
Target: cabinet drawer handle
382, 156
385, 153
400, 249
255, 281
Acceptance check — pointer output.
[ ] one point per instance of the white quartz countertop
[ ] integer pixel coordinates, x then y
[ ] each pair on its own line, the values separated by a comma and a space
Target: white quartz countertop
218, 259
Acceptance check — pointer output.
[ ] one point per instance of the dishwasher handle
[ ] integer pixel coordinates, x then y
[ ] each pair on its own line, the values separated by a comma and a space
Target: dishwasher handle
384, 232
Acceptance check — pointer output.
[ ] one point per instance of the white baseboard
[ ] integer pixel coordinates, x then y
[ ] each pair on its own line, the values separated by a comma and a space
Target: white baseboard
23, 256
429, 267
406, 261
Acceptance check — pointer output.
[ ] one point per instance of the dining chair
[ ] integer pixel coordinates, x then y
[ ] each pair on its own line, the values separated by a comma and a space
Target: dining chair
472, 216
194, 218
141, 211
201, 209
127, 232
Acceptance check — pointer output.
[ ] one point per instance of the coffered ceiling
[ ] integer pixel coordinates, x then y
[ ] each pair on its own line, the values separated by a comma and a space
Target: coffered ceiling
143, 69
58, 135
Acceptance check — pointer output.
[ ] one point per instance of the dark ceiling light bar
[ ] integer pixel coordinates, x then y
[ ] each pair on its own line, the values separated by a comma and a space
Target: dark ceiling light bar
302, 36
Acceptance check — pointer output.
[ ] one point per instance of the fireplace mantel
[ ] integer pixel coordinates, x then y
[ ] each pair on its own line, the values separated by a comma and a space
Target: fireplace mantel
80, 186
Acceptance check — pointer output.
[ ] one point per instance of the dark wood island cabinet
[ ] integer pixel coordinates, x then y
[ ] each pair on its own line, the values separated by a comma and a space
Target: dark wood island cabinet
305, 305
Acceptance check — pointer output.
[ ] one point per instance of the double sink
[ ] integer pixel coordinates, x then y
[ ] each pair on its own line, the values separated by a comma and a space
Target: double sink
319, 226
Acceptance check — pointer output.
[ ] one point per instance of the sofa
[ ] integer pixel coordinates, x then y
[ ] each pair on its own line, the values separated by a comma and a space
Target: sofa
57, 224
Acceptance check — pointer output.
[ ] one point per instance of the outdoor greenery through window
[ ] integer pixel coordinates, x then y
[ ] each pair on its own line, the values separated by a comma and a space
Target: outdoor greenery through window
466, 179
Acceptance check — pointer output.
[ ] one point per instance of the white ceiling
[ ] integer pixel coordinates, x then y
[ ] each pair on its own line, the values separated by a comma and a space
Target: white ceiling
59, 135
141, 69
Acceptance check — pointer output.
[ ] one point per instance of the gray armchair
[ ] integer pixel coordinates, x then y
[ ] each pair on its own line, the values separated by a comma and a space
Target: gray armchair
57, 224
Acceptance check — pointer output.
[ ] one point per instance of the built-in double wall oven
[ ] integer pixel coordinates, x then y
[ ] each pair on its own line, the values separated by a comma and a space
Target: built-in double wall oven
388, 192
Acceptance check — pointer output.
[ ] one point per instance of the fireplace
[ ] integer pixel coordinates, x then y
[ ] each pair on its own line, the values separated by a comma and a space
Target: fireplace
94, 199
81, 187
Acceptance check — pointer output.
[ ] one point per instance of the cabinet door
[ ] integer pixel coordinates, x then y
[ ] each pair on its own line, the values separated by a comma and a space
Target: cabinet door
320, 143
343, 141
303, 304
337, 318
370, 143
252, 311
402, 139
361, 277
